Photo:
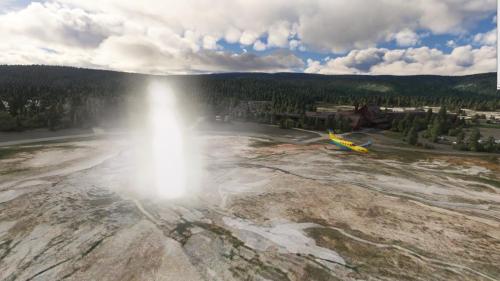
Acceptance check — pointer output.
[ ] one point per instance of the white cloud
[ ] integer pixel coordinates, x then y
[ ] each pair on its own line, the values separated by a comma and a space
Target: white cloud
232, 35
210, 42
143, 55
295, 44
248, 37
488, 38
341, 25
188, 35
462, 56
462, 60
259, 46
405, 38
55, 25
278, 34
451, 43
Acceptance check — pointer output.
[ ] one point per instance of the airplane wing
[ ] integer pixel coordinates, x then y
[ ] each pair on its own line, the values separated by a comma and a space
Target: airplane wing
339, 139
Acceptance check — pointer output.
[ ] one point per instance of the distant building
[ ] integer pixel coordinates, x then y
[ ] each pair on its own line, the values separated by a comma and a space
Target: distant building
372, 116
366, 116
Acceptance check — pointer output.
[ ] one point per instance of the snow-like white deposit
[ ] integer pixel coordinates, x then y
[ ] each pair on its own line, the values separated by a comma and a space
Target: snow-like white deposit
445, 167
287, 237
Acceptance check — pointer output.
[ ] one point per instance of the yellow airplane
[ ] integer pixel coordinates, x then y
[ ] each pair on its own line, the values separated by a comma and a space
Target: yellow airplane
347, 145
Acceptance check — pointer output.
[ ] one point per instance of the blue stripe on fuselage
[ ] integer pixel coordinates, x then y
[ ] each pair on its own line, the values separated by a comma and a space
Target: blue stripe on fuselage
343, 147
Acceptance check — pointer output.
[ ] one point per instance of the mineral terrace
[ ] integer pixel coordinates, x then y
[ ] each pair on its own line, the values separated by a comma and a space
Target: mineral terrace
261, 210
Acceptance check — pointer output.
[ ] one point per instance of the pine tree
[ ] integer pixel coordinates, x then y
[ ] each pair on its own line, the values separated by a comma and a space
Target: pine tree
428, 116
413, 136
490, 145
435, 130
473, 141
442, 113
459, 144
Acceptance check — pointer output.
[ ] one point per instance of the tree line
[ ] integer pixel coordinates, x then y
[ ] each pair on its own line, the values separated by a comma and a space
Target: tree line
433, 127
62, 97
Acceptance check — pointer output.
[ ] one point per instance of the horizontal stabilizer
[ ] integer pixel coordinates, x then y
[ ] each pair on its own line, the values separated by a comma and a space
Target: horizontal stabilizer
367, 144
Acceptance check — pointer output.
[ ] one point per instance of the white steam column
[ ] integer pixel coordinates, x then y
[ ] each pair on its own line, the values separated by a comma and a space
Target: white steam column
168, 166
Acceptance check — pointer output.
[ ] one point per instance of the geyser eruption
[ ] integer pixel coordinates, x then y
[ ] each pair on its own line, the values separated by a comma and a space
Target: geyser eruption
166, 143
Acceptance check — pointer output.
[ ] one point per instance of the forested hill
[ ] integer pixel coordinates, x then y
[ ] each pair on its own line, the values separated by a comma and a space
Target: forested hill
33, 95
419, 85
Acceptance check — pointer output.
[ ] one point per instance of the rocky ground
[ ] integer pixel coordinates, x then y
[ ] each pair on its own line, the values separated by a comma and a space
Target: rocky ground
260, 210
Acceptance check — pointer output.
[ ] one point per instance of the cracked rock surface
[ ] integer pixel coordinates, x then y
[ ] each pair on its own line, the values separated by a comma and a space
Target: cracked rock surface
261, 211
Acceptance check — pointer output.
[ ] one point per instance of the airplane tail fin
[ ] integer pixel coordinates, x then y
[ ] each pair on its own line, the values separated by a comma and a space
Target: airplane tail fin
332, 135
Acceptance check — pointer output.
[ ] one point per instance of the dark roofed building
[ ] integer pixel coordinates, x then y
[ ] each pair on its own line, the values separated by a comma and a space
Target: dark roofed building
373, 117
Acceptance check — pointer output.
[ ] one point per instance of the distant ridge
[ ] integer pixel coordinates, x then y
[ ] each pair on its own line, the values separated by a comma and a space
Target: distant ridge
242, 74
413, 85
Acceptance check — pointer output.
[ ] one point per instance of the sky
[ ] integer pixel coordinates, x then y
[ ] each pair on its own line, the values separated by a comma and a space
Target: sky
397, 37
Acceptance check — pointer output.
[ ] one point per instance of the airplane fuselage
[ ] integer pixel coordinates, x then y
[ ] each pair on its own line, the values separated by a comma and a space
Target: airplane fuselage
346, 145
351, 146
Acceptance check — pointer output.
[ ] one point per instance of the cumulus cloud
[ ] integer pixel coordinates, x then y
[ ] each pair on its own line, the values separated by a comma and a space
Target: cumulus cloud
341, 25
183, 36
232, 35
52, 23
210, 43
405, 38
278, 34
462, 60
451, 43
488, 38
248, 37
77, 36
259, 46
144, 55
